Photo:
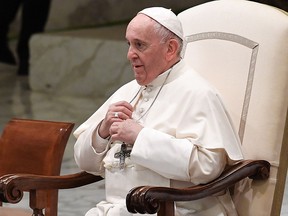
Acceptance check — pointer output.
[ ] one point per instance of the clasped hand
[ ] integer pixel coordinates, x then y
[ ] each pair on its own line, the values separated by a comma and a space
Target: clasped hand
120, 126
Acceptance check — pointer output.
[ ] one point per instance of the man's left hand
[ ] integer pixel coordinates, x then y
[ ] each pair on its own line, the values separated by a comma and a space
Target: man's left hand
125, 131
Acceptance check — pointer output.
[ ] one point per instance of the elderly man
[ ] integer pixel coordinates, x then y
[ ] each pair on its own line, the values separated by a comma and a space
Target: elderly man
168, 127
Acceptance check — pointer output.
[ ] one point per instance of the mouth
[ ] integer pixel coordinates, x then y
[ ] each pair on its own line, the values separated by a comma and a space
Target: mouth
137, 66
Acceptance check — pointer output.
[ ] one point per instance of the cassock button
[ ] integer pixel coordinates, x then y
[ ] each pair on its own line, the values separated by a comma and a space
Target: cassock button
141, 110
146, 99
149, 88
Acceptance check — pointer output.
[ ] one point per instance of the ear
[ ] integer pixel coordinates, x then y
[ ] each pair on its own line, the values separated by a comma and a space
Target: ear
172, 49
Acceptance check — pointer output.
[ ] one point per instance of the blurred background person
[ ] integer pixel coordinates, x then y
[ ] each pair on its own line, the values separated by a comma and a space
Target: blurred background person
33, 19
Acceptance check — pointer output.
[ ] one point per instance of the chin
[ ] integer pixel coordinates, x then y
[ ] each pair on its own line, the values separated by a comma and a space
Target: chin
139, 82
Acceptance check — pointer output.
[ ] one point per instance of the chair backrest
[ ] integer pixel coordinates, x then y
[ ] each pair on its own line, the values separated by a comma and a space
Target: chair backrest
241, 47
34, 147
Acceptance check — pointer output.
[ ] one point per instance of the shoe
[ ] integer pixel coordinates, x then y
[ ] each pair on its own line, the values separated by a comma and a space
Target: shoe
6, 56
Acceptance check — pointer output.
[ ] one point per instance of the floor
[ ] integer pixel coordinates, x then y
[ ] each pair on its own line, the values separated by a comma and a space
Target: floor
16, 100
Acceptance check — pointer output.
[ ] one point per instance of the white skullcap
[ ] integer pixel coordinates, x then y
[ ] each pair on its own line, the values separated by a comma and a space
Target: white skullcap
166, 18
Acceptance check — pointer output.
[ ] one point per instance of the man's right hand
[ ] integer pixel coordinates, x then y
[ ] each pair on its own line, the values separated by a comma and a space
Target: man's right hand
117, 112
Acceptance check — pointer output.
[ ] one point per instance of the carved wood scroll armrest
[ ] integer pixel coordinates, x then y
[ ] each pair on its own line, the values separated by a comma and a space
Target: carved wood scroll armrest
147, 199
12, 186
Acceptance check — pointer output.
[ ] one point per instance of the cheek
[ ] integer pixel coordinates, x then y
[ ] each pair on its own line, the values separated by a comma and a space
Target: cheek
156, 65
153, 66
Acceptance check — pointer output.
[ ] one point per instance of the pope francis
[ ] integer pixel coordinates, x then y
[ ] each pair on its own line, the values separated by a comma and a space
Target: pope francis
168, 127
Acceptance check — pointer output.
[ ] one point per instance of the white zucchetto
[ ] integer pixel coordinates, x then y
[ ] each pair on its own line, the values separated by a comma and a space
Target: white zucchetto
166, 18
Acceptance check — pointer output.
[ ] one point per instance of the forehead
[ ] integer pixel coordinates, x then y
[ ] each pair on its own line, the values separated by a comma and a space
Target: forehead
141, 27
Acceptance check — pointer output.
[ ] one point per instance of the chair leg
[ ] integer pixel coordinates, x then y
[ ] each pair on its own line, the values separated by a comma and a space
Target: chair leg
45, 199
37, 202
51, 208
166, 209
37, 212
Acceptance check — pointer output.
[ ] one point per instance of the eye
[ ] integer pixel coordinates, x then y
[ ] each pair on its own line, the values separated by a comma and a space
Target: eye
140, 45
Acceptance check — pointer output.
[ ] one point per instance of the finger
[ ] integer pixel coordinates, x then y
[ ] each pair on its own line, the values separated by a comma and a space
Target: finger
113, 129
124, 109
115, 114
121, 115
124, 104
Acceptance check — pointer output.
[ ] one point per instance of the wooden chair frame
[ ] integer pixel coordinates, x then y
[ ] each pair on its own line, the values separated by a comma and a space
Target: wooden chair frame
32, 147
144, 199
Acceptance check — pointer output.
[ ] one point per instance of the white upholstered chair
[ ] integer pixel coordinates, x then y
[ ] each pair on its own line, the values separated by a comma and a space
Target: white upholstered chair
241, 47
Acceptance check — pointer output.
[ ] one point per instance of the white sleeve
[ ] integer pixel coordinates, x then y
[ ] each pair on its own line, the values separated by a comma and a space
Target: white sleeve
178, 159
86, 156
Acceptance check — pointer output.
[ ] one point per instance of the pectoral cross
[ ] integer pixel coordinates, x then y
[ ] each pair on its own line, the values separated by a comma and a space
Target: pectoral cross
122, 155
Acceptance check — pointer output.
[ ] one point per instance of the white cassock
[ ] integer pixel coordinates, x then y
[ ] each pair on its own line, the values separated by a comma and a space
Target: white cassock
188, 138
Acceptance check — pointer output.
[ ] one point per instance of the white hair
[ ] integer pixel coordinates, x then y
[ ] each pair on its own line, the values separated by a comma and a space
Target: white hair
166, 34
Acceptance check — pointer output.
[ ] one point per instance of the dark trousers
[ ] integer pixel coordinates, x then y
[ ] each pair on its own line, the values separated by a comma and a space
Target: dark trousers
33, 20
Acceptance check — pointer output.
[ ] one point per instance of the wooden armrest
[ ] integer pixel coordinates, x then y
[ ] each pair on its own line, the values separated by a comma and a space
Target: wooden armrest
147, 199
12, 186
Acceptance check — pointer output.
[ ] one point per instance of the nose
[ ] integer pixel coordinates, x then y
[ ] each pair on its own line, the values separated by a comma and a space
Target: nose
131, 54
